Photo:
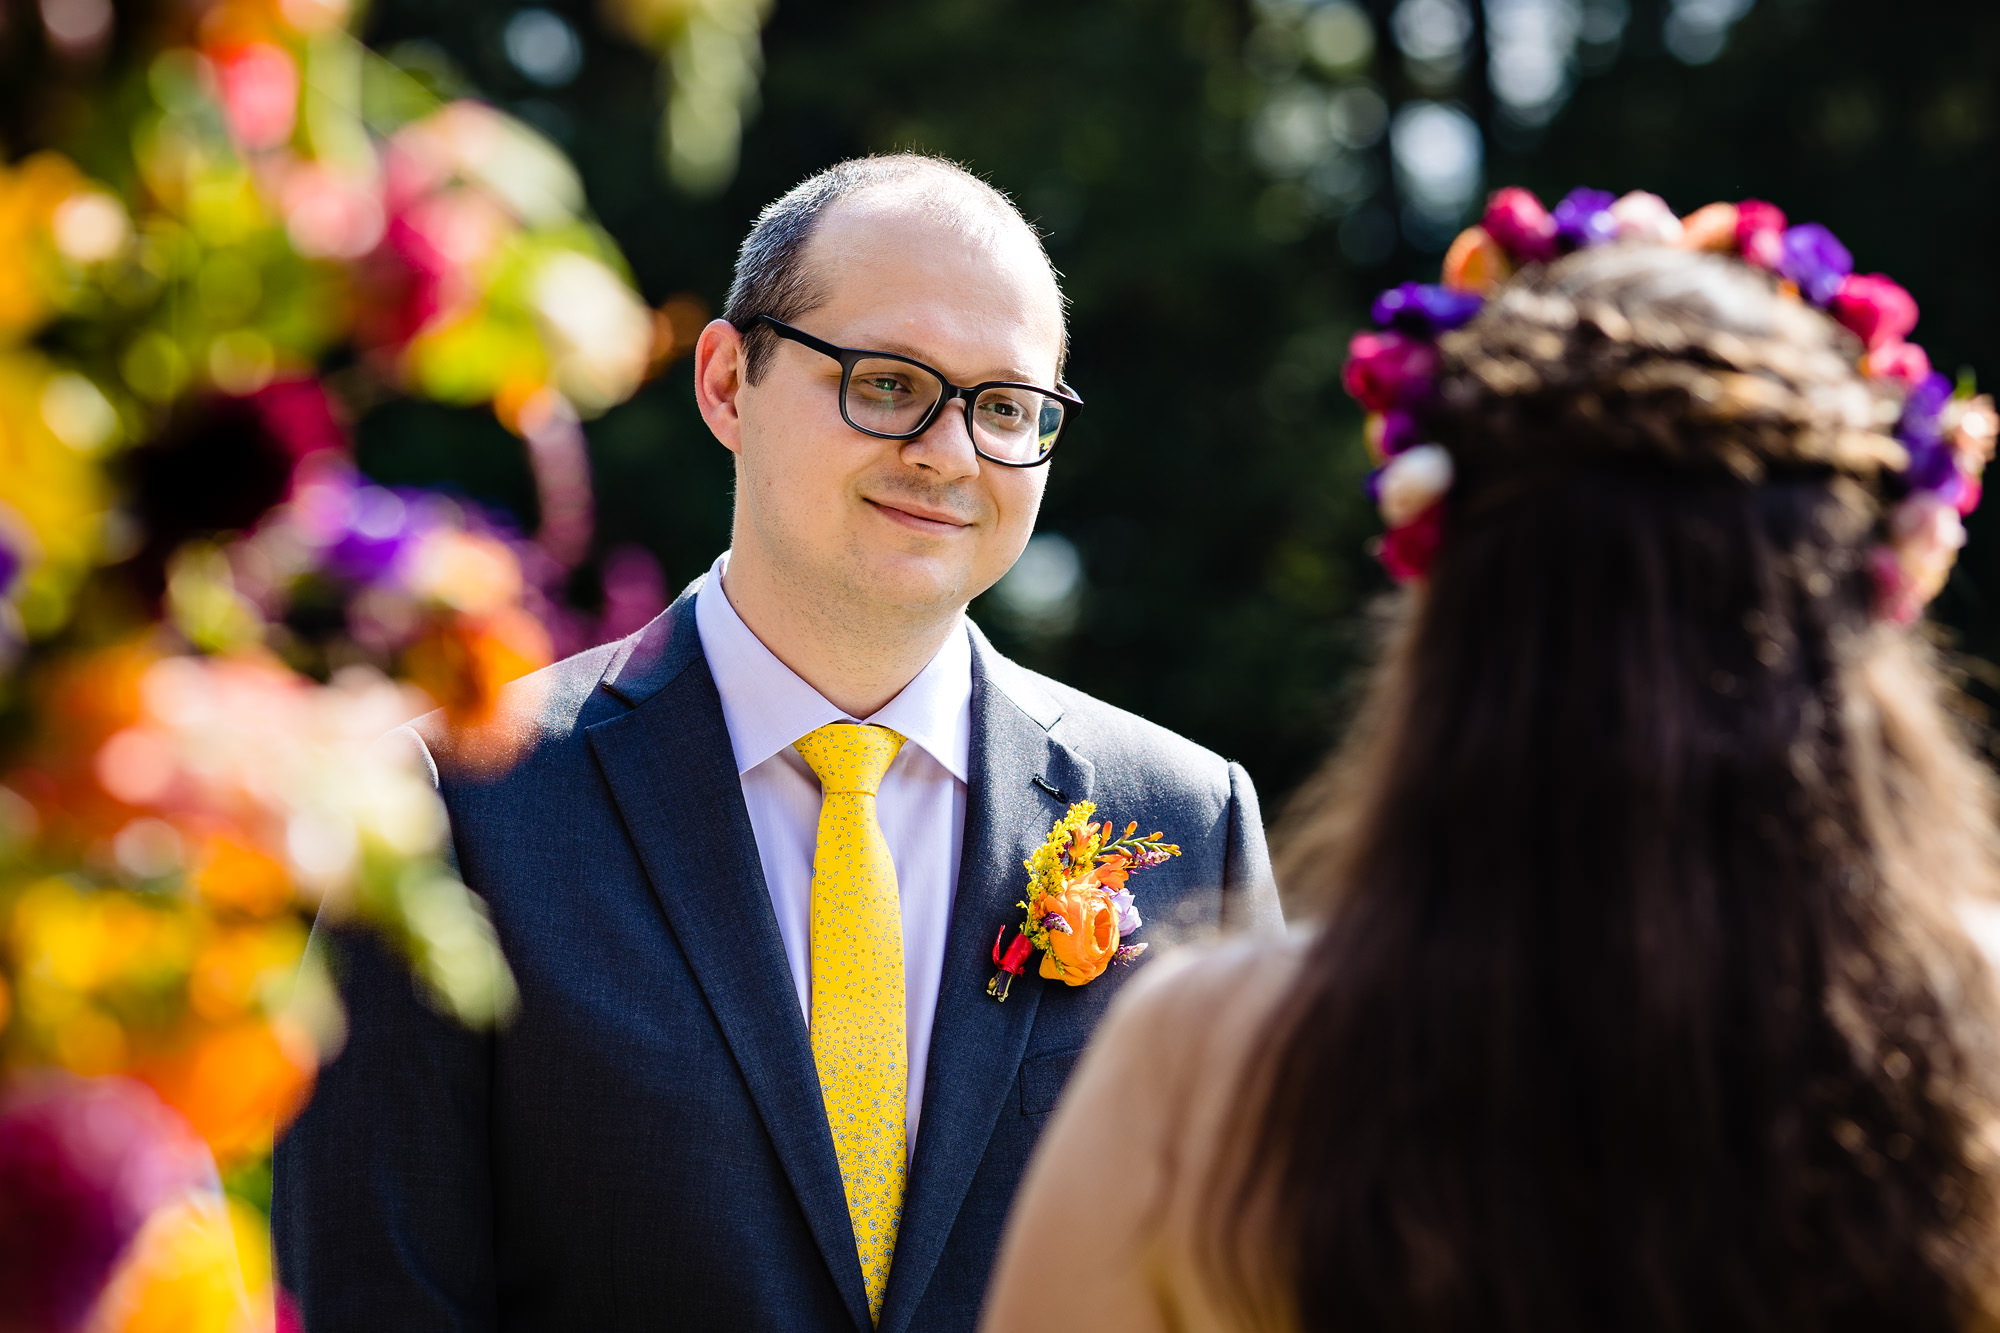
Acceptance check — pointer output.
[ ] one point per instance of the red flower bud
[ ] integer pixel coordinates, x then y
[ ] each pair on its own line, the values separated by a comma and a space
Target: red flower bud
1760, 232
1875, 308
1516, 219
1408, 552
1386, 370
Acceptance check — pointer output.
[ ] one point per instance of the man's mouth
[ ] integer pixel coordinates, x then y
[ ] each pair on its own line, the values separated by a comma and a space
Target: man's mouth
922, 517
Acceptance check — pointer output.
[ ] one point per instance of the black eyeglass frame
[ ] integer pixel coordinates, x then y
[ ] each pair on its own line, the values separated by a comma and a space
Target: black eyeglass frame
849, 357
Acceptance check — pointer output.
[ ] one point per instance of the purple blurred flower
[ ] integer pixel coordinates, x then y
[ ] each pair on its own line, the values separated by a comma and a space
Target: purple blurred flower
1127, 954
1814, 259
1399, 432
83, 1162
1584, 218
1424, 310
376, 529
10, 563
1923, 411
1128, 912
1932, 467
1371, 486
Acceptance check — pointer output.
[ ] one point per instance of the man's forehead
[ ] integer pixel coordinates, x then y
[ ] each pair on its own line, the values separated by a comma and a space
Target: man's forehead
907, 280
905, 237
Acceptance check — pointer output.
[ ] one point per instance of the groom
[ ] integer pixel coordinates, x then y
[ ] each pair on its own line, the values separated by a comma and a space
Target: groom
750, 870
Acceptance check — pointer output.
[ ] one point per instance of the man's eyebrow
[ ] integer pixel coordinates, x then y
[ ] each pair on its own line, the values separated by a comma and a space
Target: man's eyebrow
899, 348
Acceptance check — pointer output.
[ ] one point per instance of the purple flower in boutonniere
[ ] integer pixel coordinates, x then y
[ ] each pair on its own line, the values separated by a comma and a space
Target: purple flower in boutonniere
1128, 912
1078, 907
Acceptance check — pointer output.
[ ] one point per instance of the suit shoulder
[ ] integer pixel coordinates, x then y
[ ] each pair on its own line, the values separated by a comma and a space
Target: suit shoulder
1105, 731
543, 709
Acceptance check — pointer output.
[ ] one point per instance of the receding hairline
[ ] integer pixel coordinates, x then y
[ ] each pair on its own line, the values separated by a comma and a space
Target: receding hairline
777, 272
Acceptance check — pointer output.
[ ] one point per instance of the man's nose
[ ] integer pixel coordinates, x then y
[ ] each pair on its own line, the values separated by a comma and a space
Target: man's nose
945, 447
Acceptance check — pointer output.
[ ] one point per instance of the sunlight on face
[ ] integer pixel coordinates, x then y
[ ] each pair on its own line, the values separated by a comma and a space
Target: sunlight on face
919, 525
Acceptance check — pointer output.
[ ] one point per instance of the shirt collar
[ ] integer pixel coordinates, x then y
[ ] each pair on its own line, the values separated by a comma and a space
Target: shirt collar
767, 706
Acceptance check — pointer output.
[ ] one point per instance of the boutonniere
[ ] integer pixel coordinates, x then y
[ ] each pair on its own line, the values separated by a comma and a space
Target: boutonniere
1078, 908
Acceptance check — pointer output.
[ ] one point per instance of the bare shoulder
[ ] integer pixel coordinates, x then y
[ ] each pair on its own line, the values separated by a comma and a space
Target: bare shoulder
1231, 985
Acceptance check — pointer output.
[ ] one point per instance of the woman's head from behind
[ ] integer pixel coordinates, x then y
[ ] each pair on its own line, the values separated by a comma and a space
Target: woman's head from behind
1640, 1002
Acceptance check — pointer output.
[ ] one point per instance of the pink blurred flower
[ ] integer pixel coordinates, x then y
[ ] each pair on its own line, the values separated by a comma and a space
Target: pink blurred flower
331, 213
1760, 232
1386, 370
1905, 363
1516, 219
260, 93
83, 1163
1876, 308
1647, 218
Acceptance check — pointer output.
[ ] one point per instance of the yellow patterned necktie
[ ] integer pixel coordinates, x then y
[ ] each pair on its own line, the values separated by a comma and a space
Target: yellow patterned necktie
857, 987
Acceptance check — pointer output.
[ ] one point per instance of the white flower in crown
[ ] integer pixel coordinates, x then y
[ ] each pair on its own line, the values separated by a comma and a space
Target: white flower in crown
1646, 217
1412, 482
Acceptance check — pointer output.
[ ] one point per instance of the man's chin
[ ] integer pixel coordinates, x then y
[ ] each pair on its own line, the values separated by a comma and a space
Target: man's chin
911, 582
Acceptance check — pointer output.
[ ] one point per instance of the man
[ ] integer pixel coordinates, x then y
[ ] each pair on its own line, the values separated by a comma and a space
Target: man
750, 869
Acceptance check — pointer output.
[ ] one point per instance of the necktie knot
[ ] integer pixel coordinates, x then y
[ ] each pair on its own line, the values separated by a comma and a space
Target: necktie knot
849, 757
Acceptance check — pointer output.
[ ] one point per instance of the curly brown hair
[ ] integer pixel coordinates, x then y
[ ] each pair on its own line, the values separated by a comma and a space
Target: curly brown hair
1640, 999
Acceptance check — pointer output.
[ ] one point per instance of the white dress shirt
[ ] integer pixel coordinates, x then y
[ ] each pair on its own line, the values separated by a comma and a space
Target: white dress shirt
921, 803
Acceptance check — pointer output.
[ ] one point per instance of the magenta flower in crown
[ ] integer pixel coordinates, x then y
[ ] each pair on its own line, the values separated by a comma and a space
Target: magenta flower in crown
1517, 220
1948, 433
1387, 370
1877, 310
1760, 233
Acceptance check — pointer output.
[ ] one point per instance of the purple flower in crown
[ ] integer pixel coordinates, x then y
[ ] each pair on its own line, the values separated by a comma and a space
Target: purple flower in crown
1816, 261
1932, 468
1923, 411
1584, 218
1398, 431
1425, 310
1058, 923
11, 561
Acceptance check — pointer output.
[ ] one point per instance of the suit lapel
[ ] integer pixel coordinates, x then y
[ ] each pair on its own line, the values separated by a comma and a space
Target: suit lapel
673, 776
977, 1042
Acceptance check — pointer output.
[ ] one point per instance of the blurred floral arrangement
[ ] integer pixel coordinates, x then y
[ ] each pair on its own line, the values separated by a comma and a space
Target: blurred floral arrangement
285, 228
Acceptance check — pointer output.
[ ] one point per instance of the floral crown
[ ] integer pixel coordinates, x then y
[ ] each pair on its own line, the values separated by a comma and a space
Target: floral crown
1947, 433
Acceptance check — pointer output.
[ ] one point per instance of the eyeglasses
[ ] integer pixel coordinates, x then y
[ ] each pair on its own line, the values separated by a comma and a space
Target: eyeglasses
894, 398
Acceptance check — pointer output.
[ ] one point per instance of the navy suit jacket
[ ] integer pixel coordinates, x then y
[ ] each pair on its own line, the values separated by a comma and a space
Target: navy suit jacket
644, 1145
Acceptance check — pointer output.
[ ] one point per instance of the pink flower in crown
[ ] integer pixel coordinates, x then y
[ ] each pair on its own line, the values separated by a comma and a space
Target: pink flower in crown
1877, 309
1760, 233
1387, 370
1516, 219
1645, 217
1905, 363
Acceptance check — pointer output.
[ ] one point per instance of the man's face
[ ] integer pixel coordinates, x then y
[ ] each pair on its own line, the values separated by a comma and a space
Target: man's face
919, 525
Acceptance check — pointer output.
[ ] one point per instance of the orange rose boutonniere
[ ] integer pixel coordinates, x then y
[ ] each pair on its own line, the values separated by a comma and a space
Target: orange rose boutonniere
1079, 910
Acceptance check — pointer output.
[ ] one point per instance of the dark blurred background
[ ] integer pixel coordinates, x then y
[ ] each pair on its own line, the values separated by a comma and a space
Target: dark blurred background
1224, 184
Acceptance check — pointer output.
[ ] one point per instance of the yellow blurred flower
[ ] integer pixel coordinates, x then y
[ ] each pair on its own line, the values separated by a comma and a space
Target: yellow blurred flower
32, 283
92, 942
52, 422
185, 1273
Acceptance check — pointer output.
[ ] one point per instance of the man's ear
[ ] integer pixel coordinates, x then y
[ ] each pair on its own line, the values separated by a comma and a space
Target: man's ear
720, 366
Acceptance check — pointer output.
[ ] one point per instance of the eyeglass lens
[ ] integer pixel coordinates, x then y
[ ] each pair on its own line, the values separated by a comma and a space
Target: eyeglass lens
890, 397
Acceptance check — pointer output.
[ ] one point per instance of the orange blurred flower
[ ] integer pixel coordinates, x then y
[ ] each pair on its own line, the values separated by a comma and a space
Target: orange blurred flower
237, 1084
1476, 262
